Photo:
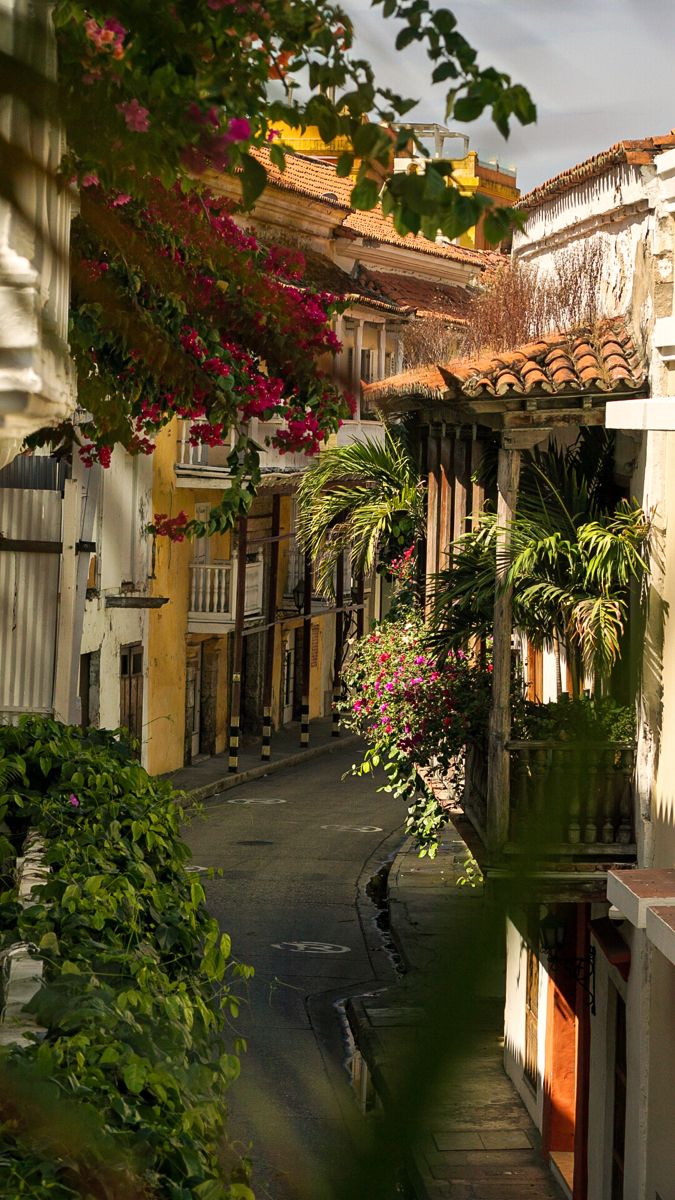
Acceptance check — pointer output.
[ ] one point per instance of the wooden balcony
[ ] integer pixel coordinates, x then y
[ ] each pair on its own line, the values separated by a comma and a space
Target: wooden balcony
213, 588
570, 808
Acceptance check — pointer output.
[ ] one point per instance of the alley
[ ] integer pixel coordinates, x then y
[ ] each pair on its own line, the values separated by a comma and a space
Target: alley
297, 849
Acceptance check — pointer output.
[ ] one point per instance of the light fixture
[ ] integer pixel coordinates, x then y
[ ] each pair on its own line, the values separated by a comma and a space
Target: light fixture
299, 595
580, 968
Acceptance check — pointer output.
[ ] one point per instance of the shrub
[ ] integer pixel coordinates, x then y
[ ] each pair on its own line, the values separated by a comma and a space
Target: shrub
413, 712
136, 995
582, 721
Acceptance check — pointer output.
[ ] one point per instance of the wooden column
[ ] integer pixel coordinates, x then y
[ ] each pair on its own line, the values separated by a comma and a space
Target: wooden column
306, 653
433, 512
477, 489
238, 645
500, 715
360, 600
381, 350
356, 367
270, 636
444, 501
339, 641
460, 489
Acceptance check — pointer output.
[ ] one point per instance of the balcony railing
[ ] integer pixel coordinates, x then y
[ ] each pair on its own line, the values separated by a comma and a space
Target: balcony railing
213, 591
566, 800
212, 461
579, 795
358, 431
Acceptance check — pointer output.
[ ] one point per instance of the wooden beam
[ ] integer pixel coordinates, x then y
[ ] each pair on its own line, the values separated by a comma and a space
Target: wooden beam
238, 646
477, 489
460, 489
445, 499
498, 782
433, 512
270, 639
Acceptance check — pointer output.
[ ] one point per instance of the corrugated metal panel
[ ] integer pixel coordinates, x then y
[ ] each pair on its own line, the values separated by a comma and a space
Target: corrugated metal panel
29, 585
36, 471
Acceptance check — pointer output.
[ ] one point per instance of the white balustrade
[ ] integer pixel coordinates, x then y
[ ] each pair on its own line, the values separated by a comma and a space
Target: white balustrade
211, 590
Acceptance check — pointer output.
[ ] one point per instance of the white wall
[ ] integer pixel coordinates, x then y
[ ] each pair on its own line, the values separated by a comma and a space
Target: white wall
122, 557
514, 1023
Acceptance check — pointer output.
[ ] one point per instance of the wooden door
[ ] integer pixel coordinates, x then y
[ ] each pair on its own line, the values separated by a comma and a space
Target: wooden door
532, 1017
288, 678
131, 690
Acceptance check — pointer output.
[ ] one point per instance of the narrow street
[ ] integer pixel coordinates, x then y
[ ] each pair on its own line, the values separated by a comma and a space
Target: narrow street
297, 849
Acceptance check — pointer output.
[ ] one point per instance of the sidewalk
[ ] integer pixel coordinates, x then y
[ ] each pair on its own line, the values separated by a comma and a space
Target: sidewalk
479, 1142
210, 776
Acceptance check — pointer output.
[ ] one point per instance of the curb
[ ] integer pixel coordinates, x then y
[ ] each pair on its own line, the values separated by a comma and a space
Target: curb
188, 796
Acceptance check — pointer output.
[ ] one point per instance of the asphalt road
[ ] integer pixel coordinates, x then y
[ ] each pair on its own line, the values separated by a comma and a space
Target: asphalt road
297, 849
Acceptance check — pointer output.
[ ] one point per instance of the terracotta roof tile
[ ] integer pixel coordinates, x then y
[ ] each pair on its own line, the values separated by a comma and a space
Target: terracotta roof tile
423, 296
591, 361
375, 227
319, 180
639, 152
321, 273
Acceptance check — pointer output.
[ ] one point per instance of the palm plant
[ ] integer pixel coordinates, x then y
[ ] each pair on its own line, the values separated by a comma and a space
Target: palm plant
574, 554
365, 499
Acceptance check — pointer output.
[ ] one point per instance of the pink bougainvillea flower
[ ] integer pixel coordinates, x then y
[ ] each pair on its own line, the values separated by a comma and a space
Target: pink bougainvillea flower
73, 800
239, 129
91, 179
136, 117
120, 199
272, 134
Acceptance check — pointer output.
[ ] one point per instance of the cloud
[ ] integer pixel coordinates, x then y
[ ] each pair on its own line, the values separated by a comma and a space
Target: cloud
598, 70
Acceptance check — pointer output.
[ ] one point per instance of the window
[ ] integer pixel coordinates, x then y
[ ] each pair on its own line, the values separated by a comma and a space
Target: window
367, 366
131, 689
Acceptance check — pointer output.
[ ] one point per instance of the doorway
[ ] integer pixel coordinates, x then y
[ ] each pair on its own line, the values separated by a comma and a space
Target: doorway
131, 691
193, 705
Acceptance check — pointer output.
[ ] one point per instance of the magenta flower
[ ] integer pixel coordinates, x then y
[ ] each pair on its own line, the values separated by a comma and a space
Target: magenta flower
120, 199
238, 130
137, 118
73, 800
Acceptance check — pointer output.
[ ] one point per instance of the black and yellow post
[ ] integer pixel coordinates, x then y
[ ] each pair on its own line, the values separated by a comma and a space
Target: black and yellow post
238, 648
339, 643
306, 653
270, 636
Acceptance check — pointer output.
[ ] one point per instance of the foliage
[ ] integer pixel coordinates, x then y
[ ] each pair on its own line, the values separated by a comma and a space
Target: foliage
581, 721
365, 499
183, 85
413, 712
570, 561
473, 876
518, 303
136, 999
184, 314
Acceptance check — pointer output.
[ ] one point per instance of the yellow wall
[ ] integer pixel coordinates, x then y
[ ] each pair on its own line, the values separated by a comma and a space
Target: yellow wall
168, 632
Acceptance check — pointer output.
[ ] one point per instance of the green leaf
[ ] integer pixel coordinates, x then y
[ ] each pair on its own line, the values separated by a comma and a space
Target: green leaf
365, 193
345, 164
135, 1076
49, 942
253, 179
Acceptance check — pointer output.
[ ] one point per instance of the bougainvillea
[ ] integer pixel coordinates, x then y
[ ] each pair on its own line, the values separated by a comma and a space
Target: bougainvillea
413, 711
183, 313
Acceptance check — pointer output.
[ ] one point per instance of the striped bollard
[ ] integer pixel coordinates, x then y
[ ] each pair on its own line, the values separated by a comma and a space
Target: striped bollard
304, 723
233, 762
337, 696
266, 751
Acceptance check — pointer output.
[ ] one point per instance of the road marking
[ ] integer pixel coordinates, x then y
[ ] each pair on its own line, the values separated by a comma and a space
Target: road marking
255, 800
311, 947
199, 870
355, 828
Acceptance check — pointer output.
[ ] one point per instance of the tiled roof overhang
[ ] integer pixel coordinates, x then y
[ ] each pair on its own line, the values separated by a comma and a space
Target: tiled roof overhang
639, 152
563, 378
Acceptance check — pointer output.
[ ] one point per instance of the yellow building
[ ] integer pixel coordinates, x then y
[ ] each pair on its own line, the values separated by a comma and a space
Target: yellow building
471, 174
281, 638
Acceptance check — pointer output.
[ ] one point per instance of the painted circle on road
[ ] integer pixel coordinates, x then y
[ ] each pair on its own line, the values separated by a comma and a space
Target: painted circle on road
311, 947
355, 828
256, 800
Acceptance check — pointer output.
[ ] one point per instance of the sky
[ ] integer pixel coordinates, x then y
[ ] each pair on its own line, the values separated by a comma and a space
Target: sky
599, 71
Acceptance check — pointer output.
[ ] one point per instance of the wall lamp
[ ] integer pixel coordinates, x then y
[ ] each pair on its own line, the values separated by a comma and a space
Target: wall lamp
582, 969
